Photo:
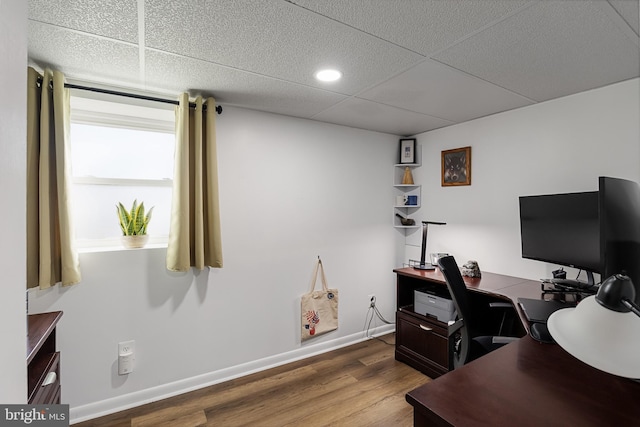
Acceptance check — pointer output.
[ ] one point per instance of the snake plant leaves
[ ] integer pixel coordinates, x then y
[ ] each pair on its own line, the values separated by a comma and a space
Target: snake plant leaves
133, 222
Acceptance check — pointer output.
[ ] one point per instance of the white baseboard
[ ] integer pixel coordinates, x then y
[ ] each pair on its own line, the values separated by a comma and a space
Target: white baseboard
141, 397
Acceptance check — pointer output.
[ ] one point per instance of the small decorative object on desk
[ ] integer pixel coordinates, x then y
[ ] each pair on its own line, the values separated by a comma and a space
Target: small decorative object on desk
435, 256
407, 179
471, 269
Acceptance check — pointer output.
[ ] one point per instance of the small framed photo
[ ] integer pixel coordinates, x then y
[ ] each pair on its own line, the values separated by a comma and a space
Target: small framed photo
408, 150
456, 167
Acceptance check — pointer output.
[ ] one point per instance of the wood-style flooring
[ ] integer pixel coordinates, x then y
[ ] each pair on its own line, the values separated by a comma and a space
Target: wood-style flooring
359, 385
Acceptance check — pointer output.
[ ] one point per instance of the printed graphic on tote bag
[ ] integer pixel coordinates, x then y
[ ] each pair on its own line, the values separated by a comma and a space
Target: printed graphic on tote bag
313, 319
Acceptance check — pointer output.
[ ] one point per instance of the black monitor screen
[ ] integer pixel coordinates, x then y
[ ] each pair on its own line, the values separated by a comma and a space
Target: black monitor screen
562, 229
620, 229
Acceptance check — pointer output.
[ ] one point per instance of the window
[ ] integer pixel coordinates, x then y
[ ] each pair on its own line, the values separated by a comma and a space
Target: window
120, 153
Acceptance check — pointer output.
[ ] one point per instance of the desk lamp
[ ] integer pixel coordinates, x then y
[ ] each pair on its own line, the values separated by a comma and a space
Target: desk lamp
424, 265
603, 331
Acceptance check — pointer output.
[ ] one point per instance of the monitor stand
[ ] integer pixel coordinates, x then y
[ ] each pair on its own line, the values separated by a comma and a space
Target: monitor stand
577, 284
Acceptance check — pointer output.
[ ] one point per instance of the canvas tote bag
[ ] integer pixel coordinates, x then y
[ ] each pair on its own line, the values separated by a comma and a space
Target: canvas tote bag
319, 309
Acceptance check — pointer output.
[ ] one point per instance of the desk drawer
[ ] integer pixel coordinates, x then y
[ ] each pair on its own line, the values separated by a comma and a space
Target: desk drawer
423, 342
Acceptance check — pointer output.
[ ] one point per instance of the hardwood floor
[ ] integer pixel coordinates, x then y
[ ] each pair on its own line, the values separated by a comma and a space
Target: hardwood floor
359, 385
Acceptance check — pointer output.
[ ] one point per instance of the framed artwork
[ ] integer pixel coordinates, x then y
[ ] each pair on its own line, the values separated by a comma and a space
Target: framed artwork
456, 167
408, 150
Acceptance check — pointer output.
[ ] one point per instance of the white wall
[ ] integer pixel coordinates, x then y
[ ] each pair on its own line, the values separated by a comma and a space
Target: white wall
13, 118
293, 189
290, 190
558, 146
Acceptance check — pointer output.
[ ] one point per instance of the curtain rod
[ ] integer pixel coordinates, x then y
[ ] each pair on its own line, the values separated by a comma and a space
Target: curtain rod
130, 95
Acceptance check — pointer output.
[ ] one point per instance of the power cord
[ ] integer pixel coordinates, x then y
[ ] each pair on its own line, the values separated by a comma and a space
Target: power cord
373, 312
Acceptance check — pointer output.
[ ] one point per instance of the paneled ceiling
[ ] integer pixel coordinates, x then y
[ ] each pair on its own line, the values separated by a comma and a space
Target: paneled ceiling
408, 66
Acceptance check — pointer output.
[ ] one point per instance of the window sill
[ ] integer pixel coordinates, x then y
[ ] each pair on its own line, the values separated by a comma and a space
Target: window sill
113, 244
116, 248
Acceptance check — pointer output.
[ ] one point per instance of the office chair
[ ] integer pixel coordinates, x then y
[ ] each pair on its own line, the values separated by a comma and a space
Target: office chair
466, 343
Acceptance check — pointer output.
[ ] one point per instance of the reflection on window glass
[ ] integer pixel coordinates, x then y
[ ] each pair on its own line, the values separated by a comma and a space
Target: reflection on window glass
109, 152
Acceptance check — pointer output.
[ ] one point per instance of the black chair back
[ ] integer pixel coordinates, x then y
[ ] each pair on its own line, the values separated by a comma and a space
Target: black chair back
457, 289
466, 342
460, 337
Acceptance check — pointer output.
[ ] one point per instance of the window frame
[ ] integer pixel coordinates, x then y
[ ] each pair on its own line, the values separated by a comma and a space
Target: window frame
103, 110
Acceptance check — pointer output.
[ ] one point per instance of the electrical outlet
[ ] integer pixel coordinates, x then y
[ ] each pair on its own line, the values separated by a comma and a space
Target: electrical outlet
372, 300
126, 347
126, 357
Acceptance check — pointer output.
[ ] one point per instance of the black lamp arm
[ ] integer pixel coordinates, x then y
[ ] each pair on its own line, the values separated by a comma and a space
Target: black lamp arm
631, 306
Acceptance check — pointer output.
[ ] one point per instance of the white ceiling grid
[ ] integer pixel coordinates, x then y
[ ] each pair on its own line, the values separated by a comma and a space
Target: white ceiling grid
409, 66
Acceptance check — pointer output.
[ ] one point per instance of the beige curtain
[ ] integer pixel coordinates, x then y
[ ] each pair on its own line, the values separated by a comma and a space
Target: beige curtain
194, 236
51, 255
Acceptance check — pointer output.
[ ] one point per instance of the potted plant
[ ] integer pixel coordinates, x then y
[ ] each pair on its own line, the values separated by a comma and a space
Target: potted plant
133, 224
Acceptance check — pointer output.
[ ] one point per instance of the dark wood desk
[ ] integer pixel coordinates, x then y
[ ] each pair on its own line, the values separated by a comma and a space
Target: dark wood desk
422, 342
524, 384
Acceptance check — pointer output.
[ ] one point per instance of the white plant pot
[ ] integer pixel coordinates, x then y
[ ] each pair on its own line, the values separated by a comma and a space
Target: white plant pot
133, 242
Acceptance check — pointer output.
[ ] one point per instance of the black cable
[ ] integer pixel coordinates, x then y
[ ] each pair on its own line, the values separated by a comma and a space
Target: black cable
371, 313
380, 316
367, 323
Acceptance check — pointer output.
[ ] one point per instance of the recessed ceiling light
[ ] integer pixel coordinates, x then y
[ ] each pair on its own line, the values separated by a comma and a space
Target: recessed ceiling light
328, 75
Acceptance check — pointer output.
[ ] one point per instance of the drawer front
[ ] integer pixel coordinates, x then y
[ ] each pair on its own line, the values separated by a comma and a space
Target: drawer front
49, 387
426, 339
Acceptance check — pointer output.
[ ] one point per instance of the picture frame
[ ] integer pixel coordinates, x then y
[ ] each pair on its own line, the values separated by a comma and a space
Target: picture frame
456, 167
407, 151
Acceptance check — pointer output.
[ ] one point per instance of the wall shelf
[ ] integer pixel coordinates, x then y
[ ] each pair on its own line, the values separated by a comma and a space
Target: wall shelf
401, 195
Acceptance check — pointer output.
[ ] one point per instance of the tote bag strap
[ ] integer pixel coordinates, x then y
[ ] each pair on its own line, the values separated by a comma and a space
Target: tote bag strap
323, 279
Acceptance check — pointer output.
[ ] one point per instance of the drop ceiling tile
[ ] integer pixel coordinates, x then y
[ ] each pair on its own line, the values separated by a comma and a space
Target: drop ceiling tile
629, 10
361, 113
81, 56
440, 91
236, 87
552, 49
116, 19
422, 26
277, 39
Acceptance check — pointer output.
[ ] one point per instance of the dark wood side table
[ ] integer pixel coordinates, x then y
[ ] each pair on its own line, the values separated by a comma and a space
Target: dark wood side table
523, 384
43, 361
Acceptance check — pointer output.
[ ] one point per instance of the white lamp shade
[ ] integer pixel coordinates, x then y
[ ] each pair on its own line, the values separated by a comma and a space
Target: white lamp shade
602, 338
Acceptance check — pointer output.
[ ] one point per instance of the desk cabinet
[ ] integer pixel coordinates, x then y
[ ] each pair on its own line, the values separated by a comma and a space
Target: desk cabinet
421, 341
43, 361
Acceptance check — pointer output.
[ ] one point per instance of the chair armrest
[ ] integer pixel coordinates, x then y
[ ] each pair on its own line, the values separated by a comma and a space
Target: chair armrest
503, 340
500, 305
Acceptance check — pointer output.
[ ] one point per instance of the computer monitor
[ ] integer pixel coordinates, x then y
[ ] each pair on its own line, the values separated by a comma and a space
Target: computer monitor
597, 231
562, 229
619, 204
